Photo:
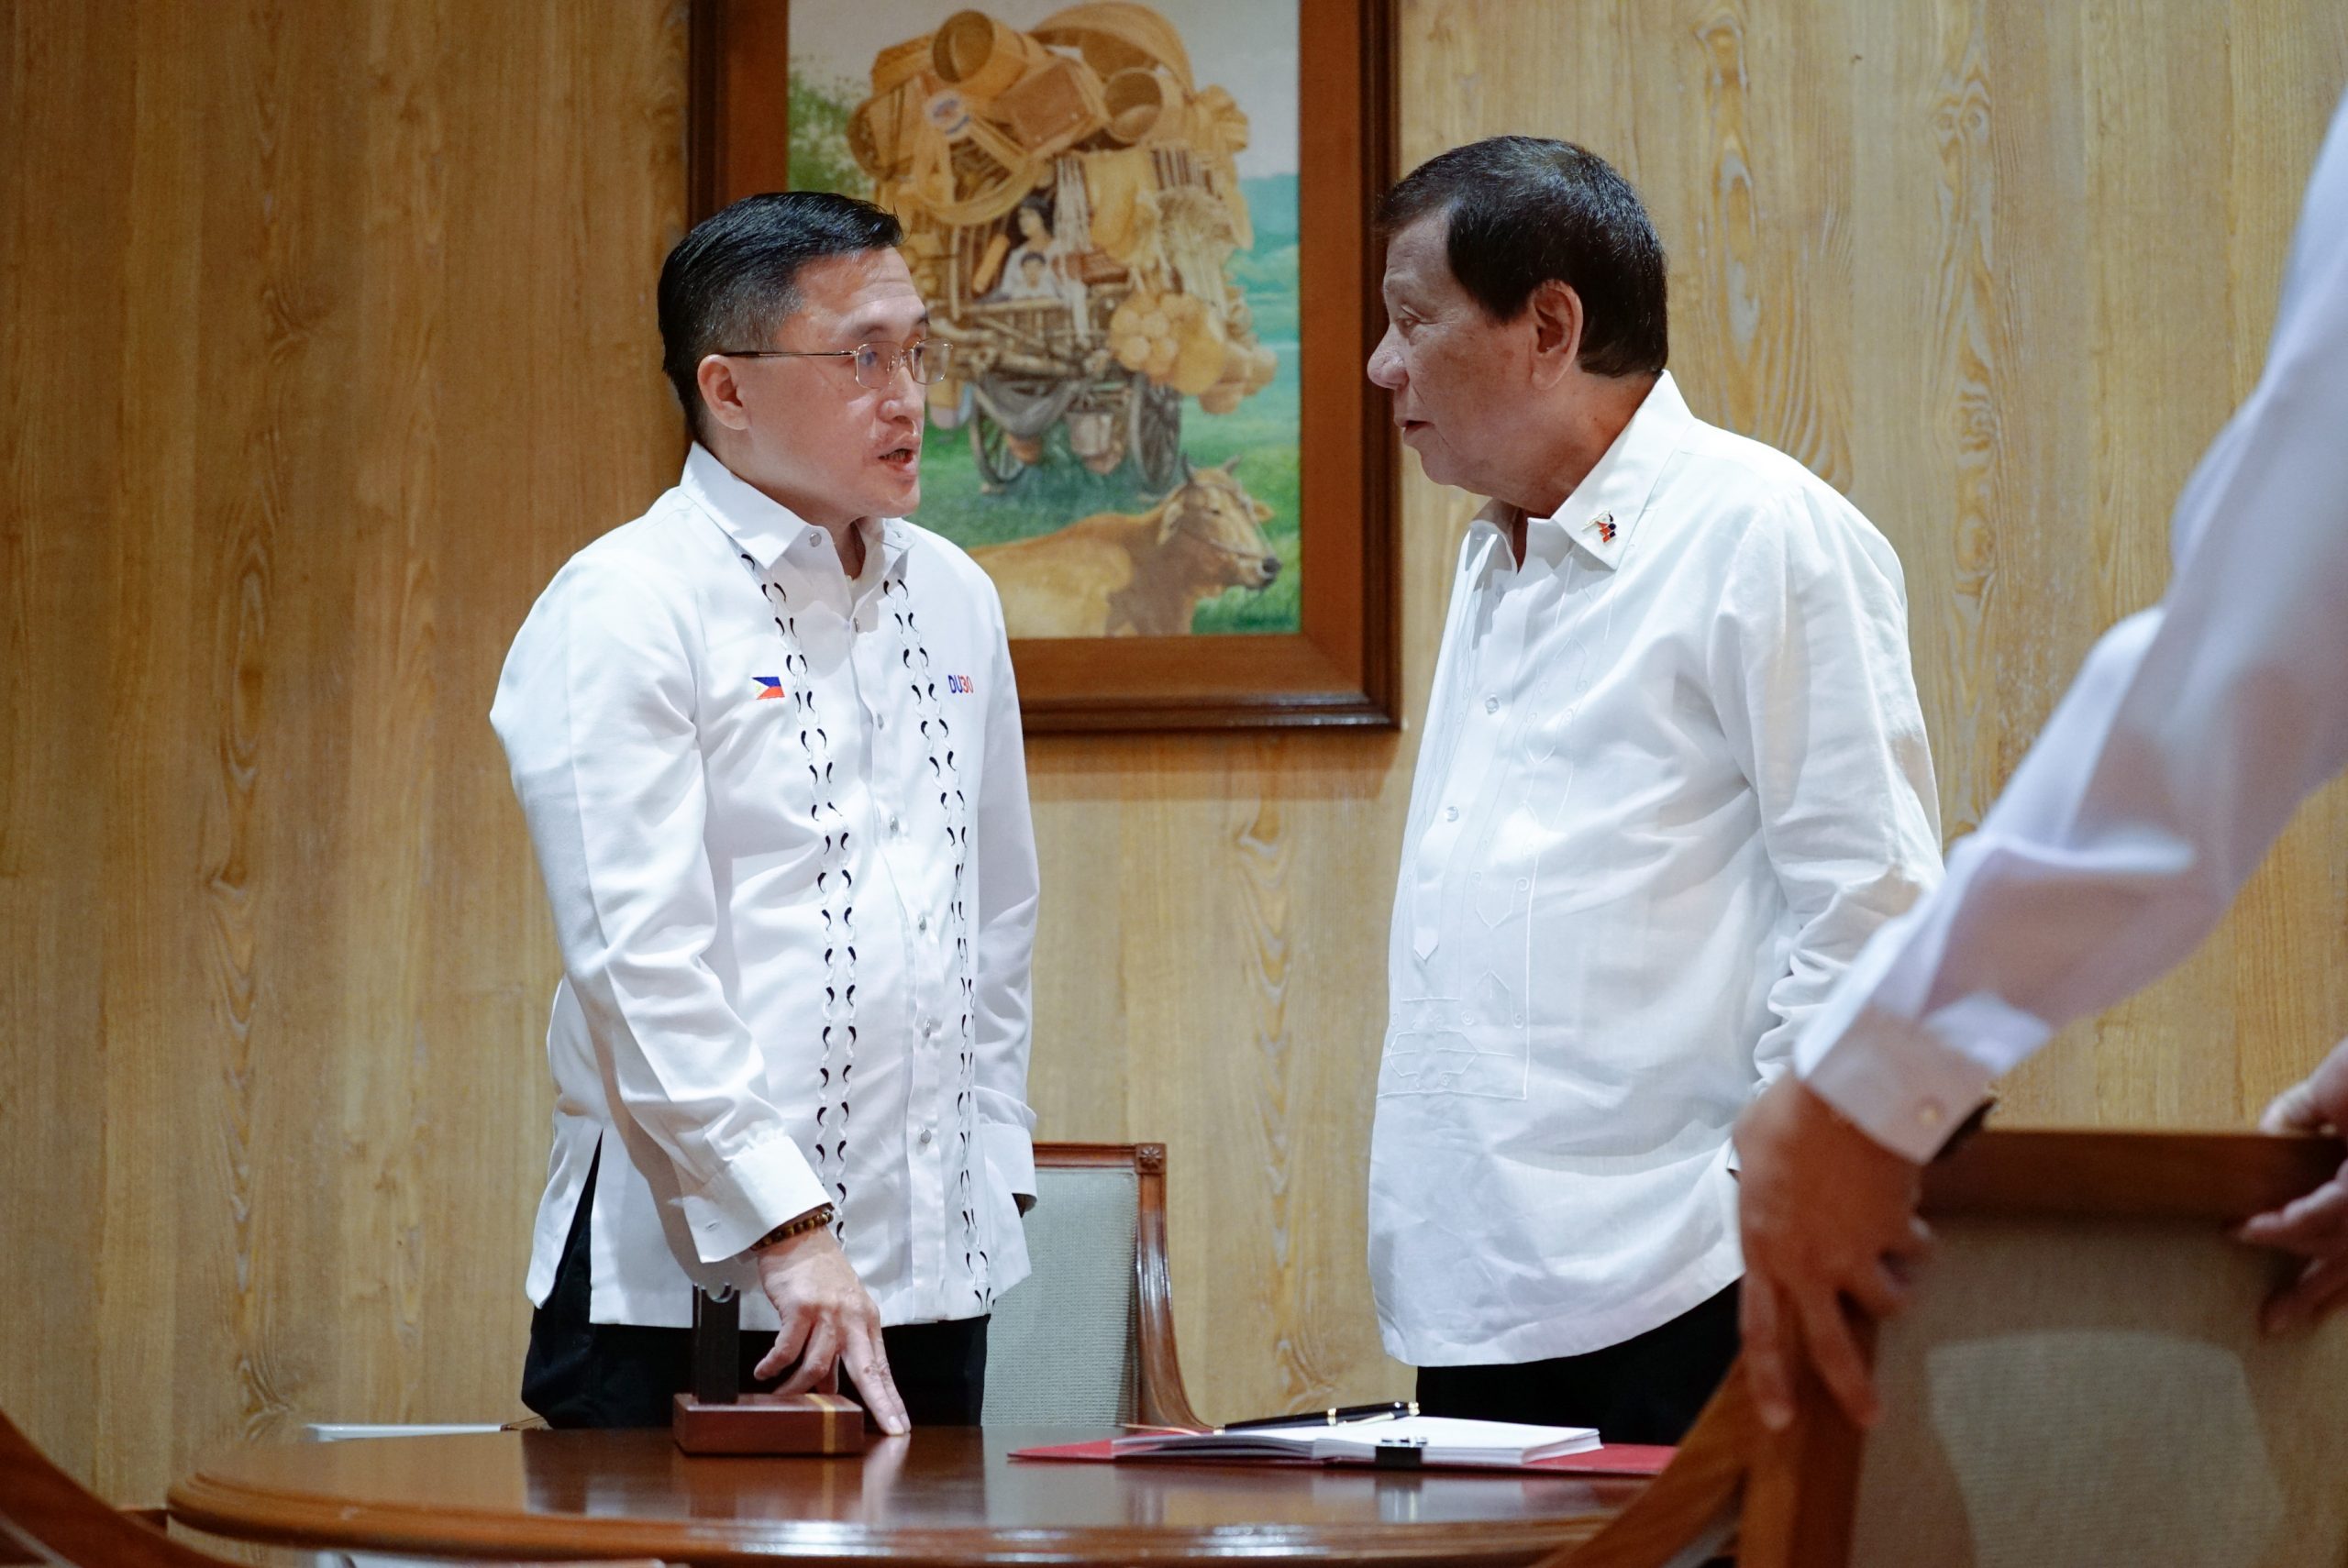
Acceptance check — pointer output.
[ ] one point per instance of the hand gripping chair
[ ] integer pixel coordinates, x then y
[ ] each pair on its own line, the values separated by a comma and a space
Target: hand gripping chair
2080, 1380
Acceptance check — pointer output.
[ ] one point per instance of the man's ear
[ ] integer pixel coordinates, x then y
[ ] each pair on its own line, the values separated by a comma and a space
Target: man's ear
719, 394
1554, 313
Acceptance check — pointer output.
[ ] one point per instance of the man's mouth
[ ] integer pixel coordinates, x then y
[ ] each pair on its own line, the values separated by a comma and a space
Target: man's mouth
905, 458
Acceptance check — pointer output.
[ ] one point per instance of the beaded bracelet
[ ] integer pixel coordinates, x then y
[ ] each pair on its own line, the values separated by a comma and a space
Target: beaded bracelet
814, 1218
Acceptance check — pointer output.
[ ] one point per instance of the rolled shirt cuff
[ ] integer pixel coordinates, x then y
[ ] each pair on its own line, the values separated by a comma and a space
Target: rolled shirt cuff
762, 1186
1898, 1081
1012, 1151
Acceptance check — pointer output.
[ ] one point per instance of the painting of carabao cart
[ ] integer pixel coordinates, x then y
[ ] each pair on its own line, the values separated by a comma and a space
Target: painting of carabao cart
1100, 206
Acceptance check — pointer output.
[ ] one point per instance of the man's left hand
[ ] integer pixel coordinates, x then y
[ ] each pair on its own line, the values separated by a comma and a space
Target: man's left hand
1828, 1217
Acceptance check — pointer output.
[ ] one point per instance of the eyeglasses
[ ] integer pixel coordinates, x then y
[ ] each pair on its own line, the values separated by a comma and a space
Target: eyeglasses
876, 363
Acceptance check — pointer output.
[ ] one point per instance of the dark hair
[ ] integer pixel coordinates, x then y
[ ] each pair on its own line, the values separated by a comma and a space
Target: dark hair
1525, 209
733, 281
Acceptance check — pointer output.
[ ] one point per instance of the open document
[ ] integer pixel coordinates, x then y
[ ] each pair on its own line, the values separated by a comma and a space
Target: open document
1406, 1441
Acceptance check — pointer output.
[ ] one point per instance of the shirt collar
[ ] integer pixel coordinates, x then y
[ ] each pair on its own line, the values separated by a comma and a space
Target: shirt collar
1603, 513
762, 528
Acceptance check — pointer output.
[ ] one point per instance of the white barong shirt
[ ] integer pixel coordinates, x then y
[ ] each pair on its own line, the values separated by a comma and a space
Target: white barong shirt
1673, 775
783, 821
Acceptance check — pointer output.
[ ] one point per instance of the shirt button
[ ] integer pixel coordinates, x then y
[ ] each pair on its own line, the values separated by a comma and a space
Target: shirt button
925, 1136
880, 721
1451, 814
895, 826
1491, 704
922, 924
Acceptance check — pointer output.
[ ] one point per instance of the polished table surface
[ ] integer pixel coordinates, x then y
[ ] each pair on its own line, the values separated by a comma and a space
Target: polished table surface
942, 1495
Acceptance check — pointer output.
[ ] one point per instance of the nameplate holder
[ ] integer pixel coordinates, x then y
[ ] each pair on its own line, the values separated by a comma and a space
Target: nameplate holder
717, 1418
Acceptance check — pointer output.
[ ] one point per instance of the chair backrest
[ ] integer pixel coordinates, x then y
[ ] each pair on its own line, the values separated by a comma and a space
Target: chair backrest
1089, 1336
2087, 1384
47, 1518
2080, 1381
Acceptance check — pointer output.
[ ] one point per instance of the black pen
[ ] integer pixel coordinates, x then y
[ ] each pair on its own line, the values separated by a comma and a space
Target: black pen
1335, 1416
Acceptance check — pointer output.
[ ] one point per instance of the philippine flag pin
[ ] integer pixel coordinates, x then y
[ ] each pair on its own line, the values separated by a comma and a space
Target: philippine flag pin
1603, 526
770, 686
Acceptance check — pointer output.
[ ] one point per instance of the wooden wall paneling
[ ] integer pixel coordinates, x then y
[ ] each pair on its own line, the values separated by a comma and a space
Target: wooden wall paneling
1765, 260
1939, 475
557, 427
63, 264
2153, 298
152, 983
298, 423
278, 296
384, 1141
1985, 495
1076, 788
2163, 324
1339, 811
1194, 1066
1267, 1108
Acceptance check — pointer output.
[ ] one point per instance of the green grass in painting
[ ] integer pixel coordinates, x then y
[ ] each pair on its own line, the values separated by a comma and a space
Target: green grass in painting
1269, 277
1261, 433
820, 160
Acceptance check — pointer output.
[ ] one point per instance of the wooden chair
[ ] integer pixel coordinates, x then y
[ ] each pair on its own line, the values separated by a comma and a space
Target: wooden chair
1089, 1336
2080, 1381
47, 1518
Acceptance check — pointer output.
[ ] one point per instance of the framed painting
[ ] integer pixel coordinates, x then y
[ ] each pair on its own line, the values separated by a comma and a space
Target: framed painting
1144, 231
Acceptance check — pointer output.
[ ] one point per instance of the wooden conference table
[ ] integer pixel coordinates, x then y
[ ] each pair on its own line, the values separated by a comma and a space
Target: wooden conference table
940, 1496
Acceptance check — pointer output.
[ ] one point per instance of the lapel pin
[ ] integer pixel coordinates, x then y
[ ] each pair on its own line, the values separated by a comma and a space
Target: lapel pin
1603, 525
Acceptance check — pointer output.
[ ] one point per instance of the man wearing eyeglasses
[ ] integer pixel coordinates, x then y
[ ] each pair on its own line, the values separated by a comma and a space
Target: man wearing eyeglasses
767, 744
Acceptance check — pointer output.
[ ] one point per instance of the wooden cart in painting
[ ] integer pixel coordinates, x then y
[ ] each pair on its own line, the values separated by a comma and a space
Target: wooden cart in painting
1071, 205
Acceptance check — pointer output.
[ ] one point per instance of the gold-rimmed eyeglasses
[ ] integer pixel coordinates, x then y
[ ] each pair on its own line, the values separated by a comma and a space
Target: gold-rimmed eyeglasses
875, 363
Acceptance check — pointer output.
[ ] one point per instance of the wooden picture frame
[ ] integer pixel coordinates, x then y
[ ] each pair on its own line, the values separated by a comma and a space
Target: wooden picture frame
1343, 667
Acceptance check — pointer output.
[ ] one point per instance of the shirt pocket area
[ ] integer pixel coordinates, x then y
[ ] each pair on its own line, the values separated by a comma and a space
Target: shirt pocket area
1475, 1045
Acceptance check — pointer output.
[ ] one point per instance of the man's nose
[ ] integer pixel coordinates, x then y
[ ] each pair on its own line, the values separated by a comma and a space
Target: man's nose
902, 391
1386, 362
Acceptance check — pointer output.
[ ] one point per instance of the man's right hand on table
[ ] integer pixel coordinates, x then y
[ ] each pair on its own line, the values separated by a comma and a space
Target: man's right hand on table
827, 1318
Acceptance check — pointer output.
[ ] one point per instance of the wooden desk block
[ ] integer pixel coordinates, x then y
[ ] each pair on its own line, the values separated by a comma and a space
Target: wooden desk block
771, 1424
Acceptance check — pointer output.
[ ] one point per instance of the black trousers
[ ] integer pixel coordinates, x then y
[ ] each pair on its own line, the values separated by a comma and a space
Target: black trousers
583, 1374
1647, 1389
